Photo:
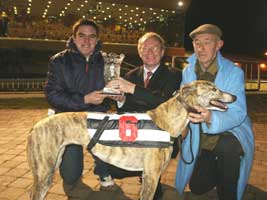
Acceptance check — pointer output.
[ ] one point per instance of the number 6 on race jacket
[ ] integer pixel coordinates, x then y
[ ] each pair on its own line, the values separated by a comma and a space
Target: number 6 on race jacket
127, 128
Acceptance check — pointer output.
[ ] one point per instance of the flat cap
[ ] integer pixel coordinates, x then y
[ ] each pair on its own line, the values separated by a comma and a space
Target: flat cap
206, 28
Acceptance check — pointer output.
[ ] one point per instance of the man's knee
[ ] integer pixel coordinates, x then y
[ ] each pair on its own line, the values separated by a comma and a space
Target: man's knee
229, 147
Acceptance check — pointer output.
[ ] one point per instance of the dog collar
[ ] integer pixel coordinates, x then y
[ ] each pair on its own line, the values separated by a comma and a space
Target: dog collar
186, 105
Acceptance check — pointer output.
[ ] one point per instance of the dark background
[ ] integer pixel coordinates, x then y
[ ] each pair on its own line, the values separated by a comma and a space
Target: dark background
243, 22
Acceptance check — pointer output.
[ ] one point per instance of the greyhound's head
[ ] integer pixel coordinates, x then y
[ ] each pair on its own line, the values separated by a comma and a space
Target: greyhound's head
112, 65
172, 114
205, 94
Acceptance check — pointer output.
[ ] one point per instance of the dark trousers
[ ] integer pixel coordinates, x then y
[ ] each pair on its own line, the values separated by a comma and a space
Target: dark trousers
71, 167
218, 168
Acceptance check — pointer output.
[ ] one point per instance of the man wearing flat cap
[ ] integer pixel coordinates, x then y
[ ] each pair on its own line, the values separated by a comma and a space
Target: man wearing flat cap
222, 142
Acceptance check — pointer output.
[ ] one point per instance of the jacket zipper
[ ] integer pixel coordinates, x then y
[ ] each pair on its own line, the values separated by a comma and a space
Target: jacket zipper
87, 64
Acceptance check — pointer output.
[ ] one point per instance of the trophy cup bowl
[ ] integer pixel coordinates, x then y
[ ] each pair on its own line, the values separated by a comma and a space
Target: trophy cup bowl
112, 71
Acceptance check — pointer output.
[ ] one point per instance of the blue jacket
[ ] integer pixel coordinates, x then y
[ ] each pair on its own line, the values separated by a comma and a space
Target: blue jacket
229, 78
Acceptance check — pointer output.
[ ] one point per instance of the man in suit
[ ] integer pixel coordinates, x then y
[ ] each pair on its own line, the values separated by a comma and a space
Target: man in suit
142, 91
147, 86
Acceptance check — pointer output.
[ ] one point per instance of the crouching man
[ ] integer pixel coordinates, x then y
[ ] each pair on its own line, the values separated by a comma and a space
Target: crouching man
222, 142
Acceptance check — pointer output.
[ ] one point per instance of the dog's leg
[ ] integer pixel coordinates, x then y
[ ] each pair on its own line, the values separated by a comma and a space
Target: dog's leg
46, 145
154, 165
149, 185
42, 177
40, 188
43, 174
43, 164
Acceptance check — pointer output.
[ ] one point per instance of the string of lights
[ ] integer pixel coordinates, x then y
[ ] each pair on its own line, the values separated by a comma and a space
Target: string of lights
103, 11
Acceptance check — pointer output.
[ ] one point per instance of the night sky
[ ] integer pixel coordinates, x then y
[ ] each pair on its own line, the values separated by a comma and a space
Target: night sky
243, 22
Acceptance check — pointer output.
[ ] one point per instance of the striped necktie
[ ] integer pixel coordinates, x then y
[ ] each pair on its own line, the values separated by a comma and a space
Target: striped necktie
146, 81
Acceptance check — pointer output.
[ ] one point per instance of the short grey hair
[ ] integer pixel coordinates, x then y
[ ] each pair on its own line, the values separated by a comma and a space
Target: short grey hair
147, 36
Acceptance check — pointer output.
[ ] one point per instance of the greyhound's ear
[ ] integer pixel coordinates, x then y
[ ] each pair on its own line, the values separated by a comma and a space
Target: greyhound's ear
187, 90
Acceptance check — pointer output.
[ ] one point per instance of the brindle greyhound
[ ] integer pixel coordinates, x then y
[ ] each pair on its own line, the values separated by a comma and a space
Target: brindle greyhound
49, 137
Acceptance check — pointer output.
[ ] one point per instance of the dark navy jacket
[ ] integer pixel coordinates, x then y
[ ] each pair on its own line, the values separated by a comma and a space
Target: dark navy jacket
68, 82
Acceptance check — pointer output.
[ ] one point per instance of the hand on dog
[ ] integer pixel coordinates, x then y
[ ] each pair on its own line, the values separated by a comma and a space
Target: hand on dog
203, 115
122, 85
95, 97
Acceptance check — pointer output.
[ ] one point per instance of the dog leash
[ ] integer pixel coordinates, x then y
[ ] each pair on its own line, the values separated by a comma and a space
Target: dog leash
180, 141
100, 129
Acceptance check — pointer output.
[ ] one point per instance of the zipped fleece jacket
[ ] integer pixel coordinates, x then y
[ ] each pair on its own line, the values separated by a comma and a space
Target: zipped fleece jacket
68, 82
229, 78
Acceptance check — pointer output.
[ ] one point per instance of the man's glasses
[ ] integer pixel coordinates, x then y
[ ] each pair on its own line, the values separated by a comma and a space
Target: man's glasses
155, 49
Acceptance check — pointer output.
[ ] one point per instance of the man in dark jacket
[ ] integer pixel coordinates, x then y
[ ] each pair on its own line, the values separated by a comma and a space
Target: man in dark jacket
147, 86
74, 83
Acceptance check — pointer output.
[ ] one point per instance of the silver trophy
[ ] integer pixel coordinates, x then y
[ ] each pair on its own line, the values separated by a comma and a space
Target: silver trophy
112, 70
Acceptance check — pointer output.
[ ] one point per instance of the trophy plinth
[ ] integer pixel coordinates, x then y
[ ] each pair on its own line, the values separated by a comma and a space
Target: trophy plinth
111, 91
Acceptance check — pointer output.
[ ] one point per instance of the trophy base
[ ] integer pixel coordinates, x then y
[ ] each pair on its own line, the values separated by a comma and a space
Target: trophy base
111, 92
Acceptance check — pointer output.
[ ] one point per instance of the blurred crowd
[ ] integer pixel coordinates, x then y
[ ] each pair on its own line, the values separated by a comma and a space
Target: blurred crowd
59, 31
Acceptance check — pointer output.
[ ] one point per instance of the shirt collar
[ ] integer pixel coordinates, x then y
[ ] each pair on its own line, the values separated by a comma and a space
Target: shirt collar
153, 71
